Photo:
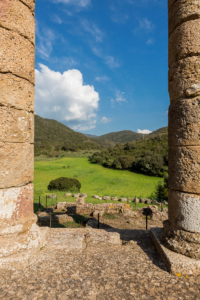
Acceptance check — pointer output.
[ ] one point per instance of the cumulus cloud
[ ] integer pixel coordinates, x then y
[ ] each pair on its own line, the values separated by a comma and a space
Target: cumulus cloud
81, 3
145, 131
105, 120
64, 97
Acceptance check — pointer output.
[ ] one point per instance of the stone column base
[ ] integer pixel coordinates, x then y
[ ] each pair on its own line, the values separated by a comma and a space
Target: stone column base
180, 241
17, 246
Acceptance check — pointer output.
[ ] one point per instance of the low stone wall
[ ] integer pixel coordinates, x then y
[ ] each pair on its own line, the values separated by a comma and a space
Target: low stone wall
89, 208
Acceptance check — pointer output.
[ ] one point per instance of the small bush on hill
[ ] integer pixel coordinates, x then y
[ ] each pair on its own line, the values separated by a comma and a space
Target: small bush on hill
65, 184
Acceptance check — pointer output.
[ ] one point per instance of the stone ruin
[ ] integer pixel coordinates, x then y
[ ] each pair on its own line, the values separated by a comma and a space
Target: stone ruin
17, 52
18, 230
181, 232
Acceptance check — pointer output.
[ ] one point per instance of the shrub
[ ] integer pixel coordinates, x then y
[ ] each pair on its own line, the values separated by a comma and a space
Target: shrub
161, 191
123, 162
65, 184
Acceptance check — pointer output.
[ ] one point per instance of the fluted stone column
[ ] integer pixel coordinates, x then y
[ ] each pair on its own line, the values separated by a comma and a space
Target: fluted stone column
183, 229
18, 229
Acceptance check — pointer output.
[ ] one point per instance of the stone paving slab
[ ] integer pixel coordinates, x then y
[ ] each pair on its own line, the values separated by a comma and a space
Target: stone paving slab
132, 270
175, 262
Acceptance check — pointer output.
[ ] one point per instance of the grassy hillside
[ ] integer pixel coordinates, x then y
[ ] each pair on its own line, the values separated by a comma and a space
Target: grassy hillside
52, 136
120, 136
148, 156
94, 179
162, 130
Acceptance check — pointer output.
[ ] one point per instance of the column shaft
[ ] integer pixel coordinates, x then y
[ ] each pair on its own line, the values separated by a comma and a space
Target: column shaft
18, 229
184, 115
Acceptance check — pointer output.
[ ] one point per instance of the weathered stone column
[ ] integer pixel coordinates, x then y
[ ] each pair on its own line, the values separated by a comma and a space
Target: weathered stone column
183, 229
18, 229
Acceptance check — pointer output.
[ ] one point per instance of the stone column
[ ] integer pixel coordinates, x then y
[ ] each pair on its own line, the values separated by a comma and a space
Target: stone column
183, 229
18, 229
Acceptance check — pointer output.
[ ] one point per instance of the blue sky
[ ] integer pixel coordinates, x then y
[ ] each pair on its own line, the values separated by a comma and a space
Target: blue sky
101, 65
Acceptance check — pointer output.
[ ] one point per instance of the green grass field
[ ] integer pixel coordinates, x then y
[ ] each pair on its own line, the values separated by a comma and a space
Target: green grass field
94, 179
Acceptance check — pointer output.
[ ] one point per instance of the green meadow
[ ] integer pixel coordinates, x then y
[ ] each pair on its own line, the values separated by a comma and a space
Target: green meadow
94, 179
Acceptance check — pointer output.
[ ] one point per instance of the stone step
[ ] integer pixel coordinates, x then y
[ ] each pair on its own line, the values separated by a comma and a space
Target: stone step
78, 239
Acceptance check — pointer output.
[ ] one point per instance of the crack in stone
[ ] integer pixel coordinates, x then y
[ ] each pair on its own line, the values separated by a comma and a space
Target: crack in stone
24, 36
8, 72
188, 193
192, 54
196, 16
27, 6
16, 108
18, 186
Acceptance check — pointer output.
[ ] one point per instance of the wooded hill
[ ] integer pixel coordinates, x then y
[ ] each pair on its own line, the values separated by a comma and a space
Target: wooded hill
52, 136
120, 136
148, 155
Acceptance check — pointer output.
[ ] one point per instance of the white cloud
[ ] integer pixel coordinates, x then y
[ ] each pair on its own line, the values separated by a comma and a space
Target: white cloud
112, 102
120, 96
111, 62
102, 78
57, 19
64, 97
81, 3
91, 125
64, 62
105, 120
150, 41
145, 131
93, 30
45, 37
145, 25
117, 16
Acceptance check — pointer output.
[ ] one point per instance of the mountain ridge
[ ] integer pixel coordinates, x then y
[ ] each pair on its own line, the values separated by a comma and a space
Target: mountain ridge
52, 136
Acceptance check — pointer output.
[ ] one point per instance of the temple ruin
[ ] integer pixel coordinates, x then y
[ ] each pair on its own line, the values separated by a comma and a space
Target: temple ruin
18, 230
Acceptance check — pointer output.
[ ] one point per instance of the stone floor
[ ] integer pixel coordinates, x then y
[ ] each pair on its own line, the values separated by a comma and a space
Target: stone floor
132, 270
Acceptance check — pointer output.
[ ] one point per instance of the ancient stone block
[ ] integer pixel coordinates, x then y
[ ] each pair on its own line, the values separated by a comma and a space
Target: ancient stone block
19, 18
123, 199
17, 55
30, 4
184, 122
184, 169
184, 78
182, 11
176, 263
184, 211
16, 164
80, 201
16, 92
16, 208
106, 198
16, 126
184, 41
